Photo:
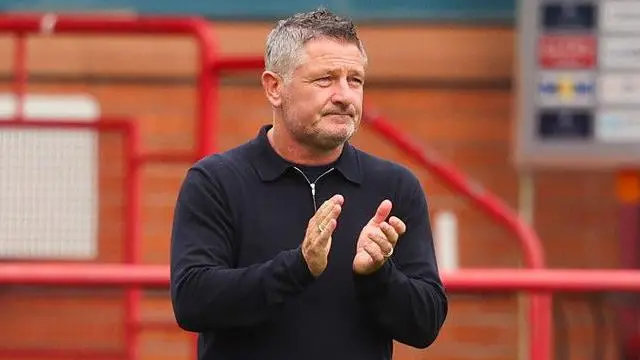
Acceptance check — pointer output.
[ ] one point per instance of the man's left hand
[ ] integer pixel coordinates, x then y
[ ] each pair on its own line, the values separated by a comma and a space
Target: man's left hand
377, 240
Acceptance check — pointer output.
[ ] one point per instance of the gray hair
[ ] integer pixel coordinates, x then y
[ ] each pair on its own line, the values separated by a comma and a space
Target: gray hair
288, 38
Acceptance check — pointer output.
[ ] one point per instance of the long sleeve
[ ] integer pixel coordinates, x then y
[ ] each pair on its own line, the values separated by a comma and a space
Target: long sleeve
207, 292
405, 296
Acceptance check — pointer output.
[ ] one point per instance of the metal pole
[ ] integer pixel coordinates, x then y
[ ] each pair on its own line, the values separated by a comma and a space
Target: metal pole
526, 208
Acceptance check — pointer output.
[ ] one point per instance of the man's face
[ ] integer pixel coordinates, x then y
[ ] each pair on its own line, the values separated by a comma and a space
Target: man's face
322, 102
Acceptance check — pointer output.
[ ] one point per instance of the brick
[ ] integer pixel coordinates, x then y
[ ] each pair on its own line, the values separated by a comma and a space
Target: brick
65, 319
166, 345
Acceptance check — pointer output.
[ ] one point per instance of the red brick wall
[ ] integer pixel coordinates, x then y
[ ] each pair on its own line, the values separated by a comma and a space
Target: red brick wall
444, 88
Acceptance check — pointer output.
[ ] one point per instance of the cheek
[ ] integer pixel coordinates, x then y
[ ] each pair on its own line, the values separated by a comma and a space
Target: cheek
357, 97
310, 102
298, 109
316, 96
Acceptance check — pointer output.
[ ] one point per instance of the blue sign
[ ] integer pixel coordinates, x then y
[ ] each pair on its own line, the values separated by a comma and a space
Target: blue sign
567, 16
565, 124
567, 89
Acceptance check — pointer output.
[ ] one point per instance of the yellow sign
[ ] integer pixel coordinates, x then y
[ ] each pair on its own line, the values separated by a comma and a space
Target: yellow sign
566, 89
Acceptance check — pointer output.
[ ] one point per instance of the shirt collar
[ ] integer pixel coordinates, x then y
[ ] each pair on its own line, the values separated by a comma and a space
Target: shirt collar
270, 165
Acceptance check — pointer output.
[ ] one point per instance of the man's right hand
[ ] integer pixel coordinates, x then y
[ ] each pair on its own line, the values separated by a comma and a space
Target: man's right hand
317, 241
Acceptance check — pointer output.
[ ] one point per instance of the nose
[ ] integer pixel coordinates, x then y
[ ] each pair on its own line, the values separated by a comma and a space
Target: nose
341, 91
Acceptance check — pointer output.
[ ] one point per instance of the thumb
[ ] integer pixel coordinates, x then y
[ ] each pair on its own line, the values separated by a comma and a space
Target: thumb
382, 213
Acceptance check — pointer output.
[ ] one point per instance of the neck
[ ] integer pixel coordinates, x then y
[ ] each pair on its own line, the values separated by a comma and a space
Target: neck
291, 150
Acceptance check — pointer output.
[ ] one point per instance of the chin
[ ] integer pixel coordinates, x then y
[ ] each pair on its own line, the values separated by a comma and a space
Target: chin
337, 137
329, 144
338, 121
343, 128
337, 124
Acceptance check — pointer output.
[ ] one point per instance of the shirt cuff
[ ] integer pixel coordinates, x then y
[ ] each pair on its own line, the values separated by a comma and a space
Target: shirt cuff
377, 282
299, 271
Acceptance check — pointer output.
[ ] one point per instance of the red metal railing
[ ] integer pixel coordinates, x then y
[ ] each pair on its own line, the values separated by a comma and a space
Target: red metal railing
485, 280
489, 280
131, 218
540, 307
23, 25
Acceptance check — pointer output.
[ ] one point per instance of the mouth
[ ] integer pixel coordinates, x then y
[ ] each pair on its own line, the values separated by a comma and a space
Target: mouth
339, 119
339, 115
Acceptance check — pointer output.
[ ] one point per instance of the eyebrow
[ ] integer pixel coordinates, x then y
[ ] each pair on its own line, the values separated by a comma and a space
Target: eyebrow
326, 70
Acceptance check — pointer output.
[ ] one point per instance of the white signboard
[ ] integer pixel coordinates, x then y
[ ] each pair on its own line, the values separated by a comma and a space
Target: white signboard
618, 126
619, 89
619, 53
620, 16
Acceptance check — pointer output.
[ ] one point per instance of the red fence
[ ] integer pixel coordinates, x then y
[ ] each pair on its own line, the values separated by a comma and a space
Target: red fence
21, 26
131, 218
132, 276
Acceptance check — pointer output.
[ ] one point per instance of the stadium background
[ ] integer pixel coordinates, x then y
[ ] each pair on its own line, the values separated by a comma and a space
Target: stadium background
442, 74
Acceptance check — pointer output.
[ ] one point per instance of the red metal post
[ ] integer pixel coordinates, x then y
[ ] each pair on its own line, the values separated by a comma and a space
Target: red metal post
133, 244
197, 28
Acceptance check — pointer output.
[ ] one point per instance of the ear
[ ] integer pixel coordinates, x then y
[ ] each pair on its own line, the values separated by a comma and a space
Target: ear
272, 84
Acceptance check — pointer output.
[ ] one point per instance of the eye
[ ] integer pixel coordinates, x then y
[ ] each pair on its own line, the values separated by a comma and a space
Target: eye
356, 80
324, 81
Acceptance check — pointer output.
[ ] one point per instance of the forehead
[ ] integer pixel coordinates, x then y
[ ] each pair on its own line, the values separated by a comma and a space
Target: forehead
331, 54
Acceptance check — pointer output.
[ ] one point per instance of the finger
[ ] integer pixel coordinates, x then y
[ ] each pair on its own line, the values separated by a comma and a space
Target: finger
374, 251
398, 224
384, 209
326, 207
323, 238
338, 199
322, 212
390, 232
332, 214
381, 242
313, 227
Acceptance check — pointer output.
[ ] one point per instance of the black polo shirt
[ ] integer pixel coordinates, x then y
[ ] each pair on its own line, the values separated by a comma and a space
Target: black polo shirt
238, 276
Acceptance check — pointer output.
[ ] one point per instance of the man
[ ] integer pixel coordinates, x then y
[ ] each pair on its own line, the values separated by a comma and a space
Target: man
297, 245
